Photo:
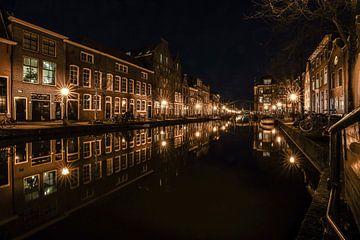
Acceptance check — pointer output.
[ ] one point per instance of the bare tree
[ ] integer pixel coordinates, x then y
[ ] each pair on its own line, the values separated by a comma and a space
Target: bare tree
339, 13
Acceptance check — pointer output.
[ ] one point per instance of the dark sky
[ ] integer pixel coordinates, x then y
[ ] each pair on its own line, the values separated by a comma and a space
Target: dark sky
211, 37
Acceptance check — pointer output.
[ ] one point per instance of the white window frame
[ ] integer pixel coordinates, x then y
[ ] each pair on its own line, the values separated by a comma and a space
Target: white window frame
110, 77
83, 103
126, 88
77, 74
133, 86
117, 109
84, 69
117, 78
87, 55
144, 75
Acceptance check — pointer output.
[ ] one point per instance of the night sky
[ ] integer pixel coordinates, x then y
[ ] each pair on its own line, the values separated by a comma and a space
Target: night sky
213, 38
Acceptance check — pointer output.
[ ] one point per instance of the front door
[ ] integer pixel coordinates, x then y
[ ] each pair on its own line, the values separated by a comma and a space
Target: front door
20, 106
72, 110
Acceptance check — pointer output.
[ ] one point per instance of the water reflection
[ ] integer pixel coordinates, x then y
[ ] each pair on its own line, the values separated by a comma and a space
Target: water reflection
46, 179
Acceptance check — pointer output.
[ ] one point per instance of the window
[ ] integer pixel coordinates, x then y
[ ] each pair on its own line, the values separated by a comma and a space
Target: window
144, 75
143, 105
148, 90
3, 94
340, 77
124, 85
98, 79
49, 72
109, 82
121, 68
108, 143
138, 86
74, 74
32, 187
332, 80
31, 41
116, 164
124, 105
138, 105
86, 77
30, 70
131, 86
117, 84
86, 173
143, 89
87, 102
117, 105
123, 162
48, 47
74, 178
161, 58
98, 147
86, 57
96, 102
86, 149
109, 167
49, 182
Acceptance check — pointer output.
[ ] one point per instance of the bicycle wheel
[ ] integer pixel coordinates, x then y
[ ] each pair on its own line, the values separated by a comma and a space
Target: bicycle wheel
306, 125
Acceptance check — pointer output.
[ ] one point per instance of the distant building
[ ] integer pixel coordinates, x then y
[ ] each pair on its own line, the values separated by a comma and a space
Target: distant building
199, 104
265, 94
167, 78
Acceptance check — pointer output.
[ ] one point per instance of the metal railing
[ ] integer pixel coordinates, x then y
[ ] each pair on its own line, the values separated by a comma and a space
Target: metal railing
335, 167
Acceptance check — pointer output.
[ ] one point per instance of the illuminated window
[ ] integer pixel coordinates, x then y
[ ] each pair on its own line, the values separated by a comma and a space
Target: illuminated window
49, 73
98, 79
96, 102
31, 41
117, 105
109, 82
31, 187
148, 90
49, 182
86, 77
48, 47
30, 70
87, 150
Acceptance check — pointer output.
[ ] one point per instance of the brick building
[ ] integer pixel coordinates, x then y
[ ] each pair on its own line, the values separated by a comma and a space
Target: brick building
5, 67
38, 62
265, 94
167, 77
106, 83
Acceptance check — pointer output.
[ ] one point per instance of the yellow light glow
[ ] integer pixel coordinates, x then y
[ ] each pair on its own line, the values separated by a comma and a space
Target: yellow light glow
163, 143
266, 107
123, 140
65, 171
215, 129
215, 108
197, 106
64, 91
273, 131
292, 159
273, 107
278, 139
163, 103
279, 104
197, 134
293, 97
223, 127
162, 132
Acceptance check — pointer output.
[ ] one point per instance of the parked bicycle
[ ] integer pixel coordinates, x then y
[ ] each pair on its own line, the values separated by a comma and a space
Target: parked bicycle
317, 122
7, 122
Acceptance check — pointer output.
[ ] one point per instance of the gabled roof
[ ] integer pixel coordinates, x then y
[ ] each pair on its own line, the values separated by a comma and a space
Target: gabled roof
4, 35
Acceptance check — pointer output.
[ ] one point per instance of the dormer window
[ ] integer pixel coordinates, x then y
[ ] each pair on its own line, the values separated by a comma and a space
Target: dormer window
86, 57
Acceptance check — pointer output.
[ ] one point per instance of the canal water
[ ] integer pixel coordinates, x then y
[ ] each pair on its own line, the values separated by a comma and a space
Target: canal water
213, 180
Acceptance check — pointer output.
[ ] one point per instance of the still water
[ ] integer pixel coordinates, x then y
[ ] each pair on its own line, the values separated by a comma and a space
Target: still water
212, 180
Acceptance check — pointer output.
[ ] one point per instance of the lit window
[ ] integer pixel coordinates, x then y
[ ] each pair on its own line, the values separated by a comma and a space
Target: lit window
49, 73
149, 90
117, 105
50, 182
30, 70
87, 149
98, 79
31, 187
96, 102
109, 82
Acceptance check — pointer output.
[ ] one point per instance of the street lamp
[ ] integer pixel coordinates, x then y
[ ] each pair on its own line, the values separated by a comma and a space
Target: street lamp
64, 93
163, 106
198, 106
293, 98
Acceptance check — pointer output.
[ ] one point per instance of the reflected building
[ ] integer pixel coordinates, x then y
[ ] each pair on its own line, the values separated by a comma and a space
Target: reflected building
44, 180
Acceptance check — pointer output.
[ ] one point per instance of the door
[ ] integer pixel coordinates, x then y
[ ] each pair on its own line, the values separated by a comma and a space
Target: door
149, 110
108, 108
73, 110
20, 106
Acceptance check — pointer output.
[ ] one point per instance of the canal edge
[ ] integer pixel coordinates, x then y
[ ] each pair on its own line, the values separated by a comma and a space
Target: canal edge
312, 226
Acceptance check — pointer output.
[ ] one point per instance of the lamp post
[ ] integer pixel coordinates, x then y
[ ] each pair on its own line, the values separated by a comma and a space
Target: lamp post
293, 98
64, 93
197, 106
163, 106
